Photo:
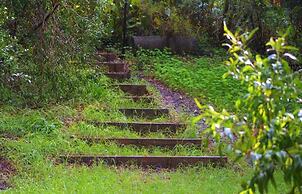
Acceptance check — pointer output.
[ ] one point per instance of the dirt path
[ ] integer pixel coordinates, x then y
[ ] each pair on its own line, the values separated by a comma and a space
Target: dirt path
180, 101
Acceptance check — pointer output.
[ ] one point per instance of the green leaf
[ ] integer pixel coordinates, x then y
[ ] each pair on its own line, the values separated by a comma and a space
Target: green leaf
251, 34
247, 68
290, 48
238, 103
228, 32
226, 75
198, 103
197, 119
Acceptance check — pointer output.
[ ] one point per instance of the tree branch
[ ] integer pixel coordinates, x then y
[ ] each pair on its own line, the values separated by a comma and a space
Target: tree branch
46, 18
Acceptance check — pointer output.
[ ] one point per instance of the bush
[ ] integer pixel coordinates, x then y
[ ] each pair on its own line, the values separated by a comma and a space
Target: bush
266, 127
46, 63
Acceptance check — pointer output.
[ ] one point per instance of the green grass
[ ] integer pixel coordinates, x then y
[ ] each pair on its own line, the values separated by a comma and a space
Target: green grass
99, 113
44, 134
198, 77
102, 179
41, 145
35, 150
110, 148
84, 129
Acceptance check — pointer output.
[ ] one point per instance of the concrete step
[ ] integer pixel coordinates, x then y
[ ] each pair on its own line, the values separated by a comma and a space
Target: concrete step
158, 162
144, 127
145, 142
145, 112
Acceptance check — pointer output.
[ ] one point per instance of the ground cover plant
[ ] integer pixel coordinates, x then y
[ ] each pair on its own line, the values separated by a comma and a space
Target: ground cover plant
197, 77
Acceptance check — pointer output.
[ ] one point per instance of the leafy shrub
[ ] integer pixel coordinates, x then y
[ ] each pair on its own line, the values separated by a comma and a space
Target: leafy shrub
10, 50
266, 126
53, 67
28, 123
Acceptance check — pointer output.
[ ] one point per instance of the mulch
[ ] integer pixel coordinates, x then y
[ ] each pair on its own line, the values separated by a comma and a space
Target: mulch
6, 171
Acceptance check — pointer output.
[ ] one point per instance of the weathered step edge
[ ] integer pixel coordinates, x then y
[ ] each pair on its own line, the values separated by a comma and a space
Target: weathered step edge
119, 75
146, 142
143, 127
145, 112
115, 66
167, 162
133, 89
108, 56
146, 99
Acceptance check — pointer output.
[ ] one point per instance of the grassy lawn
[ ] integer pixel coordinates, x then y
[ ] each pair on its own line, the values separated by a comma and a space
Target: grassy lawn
41, 135
102, 179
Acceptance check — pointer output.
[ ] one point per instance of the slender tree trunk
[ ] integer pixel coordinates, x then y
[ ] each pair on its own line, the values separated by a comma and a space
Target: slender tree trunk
226, 7
225, 13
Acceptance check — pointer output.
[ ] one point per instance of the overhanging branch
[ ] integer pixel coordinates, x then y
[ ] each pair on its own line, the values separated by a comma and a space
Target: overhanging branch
46, 18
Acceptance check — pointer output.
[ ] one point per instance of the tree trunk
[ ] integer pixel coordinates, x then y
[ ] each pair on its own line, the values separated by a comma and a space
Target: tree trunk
225, 12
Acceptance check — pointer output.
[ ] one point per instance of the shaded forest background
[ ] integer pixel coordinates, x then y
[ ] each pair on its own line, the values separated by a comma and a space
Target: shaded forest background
46, 45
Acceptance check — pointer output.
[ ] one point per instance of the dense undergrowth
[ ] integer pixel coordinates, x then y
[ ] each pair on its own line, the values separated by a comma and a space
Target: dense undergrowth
45, 48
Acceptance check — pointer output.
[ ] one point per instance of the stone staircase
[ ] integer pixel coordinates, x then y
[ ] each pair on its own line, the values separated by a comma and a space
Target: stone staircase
119, 70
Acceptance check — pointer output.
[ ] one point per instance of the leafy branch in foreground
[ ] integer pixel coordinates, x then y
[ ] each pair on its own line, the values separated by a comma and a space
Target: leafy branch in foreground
266, 127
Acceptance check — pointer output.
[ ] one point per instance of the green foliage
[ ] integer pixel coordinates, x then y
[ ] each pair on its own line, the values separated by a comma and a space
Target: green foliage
163, 18
41, 63
35, 145
26, 123
101, 179
34, 150
198, 77
266, 127
46, 63
33, 139
9, 52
